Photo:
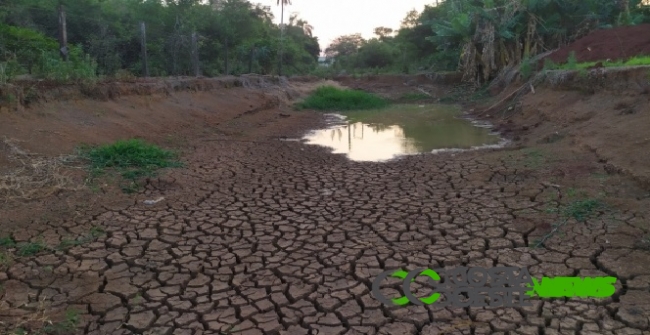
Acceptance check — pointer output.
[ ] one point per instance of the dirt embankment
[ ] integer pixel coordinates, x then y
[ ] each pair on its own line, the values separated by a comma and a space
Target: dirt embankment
175, 112
400, 87
607, 44
54, 118
606, 111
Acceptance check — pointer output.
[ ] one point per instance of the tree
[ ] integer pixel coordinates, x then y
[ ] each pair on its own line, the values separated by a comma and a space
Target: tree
345, 45
411, 19
108, 30
304, 25
282, 3
383, 32
307, 28
376, 54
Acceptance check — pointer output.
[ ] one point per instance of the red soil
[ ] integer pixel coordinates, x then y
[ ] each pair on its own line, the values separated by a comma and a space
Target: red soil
612, 44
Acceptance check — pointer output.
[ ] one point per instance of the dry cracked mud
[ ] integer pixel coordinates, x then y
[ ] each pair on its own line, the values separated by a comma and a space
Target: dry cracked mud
261, 236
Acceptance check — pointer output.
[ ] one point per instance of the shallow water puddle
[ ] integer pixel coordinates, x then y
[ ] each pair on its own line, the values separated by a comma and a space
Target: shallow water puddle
380, 135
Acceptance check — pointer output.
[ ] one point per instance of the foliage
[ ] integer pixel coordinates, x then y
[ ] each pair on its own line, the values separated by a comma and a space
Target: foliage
7, 242
332, 98
346, 45
133, 159
572, 64
30, 249
482, 38
579, 210
526, 68
549, 64
479, 38
375, 54
572, 61
233, 37
28, 51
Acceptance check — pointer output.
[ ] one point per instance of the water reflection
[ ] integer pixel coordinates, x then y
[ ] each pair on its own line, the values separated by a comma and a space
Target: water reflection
383, 135
365, 142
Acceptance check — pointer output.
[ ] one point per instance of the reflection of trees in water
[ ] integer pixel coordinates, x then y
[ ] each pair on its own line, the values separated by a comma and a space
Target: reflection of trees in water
335, 132
354, 130
378, 127
410, 146
448, 134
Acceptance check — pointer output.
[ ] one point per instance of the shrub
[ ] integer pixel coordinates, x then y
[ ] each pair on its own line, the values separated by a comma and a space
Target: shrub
132, 158
332, 98
572, 61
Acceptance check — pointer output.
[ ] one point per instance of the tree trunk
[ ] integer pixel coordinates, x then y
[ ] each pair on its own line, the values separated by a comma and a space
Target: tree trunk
530, 34
227, 70
281, 37
250, 60
63, 34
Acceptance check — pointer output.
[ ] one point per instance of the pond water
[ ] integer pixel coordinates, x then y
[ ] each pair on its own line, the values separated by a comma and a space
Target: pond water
379, 135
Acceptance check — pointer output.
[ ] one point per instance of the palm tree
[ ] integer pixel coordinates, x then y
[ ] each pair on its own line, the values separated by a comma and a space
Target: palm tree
282, 2
263, 12
306, 27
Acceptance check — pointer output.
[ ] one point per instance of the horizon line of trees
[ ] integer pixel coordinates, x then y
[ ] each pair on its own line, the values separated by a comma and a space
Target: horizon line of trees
480, 38
233, 37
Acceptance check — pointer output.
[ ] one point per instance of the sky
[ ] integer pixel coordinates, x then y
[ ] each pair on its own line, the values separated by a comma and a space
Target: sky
333, 18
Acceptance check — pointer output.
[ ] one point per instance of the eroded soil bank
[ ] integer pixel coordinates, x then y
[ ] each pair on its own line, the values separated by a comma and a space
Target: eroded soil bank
261, 236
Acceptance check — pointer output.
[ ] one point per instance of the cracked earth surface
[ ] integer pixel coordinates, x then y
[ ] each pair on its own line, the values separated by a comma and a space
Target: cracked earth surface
259, 236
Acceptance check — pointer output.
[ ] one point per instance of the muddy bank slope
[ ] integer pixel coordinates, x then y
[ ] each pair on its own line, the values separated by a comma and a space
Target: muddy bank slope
40, 180
606, 111
53, 119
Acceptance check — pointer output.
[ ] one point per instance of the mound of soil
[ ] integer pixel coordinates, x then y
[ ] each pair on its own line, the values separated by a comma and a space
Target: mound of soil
612, 44
395, 87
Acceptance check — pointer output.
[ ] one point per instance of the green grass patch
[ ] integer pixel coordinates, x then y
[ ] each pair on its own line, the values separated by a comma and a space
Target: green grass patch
67, 326
580, 210
332, 98
94, 233
5, 259
30, 249
572, 64
7, 242
26, 249
132, 159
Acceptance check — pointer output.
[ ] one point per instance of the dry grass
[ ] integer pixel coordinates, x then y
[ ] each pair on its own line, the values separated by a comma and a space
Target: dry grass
35, 176
39, 321
36, 319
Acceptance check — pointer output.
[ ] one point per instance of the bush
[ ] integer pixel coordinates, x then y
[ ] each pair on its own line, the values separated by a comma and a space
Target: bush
78, 67
332, 98
549, 64
132, 158
376, 54
24, 45
572, 61
27, 51
526, 68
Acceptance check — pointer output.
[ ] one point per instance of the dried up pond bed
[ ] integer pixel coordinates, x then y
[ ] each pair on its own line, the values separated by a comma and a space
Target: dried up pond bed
260, 236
